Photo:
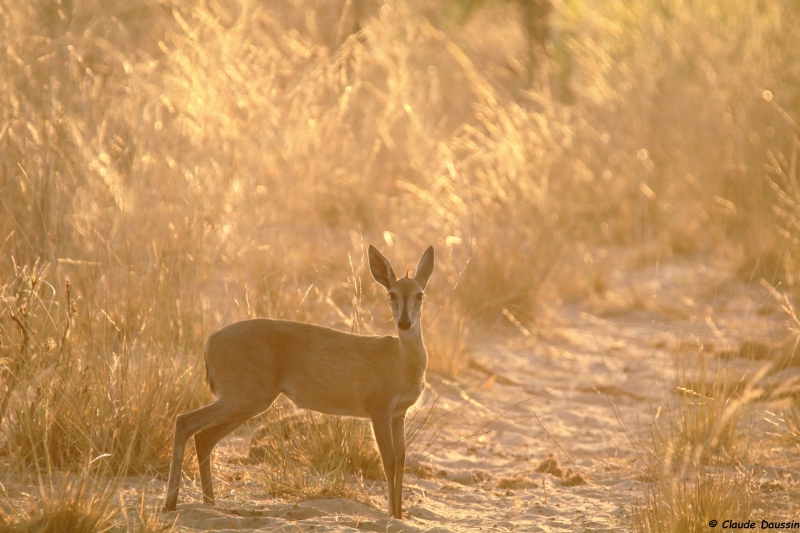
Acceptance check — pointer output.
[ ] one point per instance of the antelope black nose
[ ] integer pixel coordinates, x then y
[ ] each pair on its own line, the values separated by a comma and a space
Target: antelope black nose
404, 324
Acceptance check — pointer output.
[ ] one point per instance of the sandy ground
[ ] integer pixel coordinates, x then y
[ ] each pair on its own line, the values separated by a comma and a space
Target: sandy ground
584, 389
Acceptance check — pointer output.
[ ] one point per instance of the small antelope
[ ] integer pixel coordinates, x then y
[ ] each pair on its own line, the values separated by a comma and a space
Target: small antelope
249, 363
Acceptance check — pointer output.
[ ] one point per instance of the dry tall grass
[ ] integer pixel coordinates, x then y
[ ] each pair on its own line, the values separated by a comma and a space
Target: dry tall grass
186, 164
702, 464
81, 507
309, 455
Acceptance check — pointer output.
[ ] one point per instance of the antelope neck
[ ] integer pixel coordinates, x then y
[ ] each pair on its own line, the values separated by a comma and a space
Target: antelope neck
412, 348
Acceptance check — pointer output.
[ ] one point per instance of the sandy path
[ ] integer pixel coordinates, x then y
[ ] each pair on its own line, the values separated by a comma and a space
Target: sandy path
584, 390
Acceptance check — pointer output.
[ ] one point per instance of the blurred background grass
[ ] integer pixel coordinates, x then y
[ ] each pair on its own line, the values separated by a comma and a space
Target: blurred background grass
187, 164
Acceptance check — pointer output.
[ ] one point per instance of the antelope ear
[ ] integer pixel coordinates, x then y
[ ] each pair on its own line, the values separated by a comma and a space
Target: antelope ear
425, 267
380, 268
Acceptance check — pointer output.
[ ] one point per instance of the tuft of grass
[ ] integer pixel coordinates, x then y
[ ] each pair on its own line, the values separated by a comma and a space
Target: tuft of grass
84, 505
308, 455
712, 403
78, 504
691, 478
684, 501
700, 465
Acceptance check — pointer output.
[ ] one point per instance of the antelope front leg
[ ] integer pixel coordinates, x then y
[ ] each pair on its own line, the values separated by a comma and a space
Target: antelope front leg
399, 439
382, 427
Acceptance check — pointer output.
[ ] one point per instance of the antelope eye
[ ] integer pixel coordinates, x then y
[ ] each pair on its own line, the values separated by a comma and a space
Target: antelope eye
420, 297
392, 296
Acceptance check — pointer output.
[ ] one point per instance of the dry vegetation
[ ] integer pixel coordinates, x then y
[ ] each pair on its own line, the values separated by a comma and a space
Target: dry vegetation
169, 167
315, 455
